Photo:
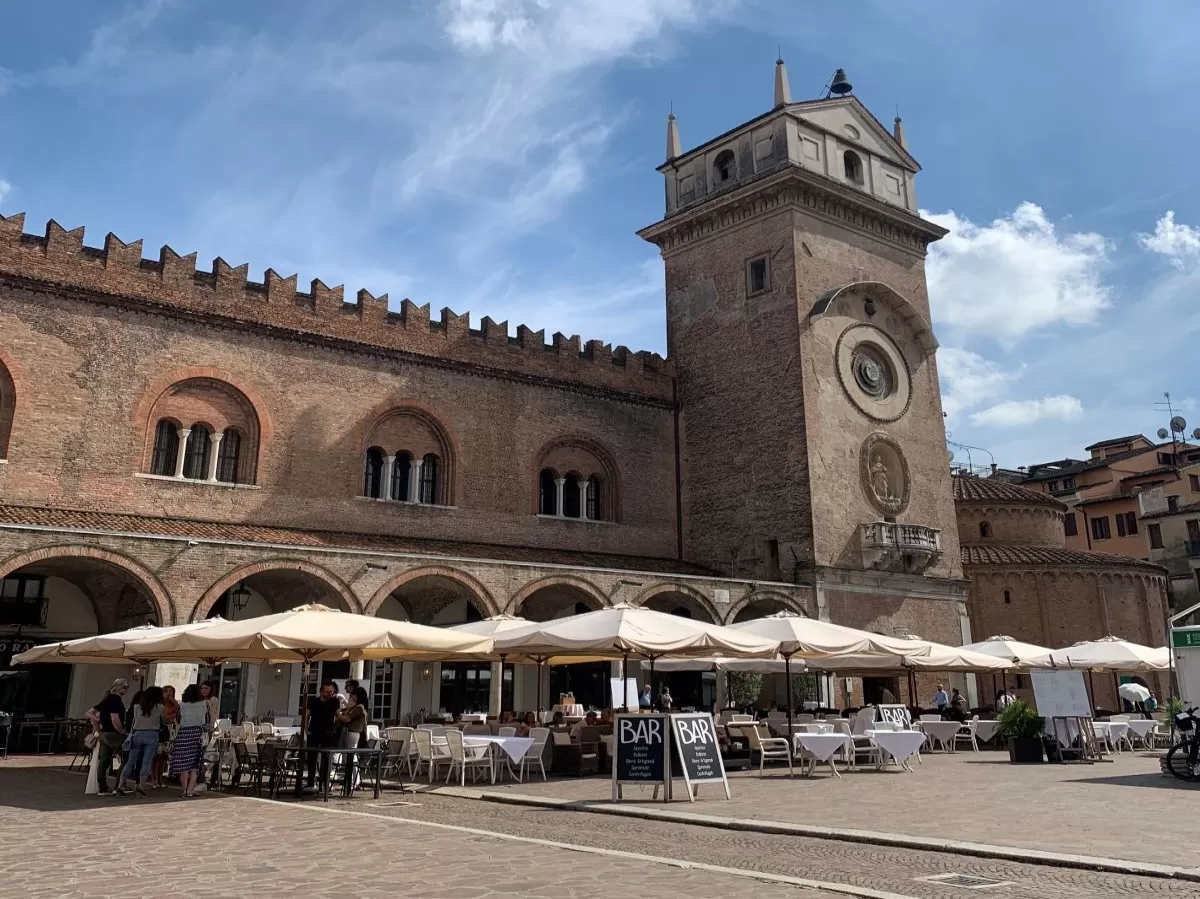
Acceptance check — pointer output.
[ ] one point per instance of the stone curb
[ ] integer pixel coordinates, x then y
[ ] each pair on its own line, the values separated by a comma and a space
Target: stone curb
903, 841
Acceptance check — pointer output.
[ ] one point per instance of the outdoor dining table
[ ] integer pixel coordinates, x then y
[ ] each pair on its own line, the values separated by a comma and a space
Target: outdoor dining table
514, 747
369, 753
284, 732
1117, 731
900, 745
941, 731
822, 748
985, 730
1142, 727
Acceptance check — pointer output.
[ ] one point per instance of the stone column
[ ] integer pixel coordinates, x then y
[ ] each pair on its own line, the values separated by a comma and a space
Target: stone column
184, 433
214, 452
583, 488
495, 696
559, 484
385, 486
414, 481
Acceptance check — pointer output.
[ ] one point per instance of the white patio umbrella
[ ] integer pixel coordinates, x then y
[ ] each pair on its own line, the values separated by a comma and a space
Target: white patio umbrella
1108, 654
310, 633
626, 631
105, 648
1133, 692
1020, 655
511, 625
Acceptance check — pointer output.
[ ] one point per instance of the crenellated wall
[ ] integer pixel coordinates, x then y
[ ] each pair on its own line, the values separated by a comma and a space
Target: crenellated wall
117, 273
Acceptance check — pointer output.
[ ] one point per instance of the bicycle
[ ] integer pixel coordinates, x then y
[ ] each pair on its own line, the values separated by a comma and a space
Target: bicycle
1183, 760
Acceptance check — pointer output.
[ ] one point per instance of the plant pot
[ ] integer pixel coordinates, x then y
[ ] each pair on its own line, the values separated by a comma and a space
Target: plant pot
1025, 750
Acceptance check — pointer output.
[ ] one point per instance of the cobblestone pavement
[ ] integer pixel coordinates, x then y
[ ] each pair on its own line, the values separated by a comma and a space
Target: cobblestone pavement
876, 867
55, 842
1123, 809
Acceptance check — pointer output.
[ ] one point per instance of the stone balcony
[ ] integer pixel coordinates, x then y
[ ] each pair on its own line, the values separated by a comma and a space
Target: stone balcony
910, 548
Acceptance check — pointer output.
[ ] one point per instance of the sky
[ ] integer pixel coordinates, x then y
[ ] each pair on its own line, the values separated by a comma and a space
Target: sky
496, 157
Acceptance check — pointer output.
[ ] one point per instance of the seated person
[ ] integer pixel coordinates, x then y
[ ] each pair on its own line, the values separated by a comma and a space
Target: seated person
589, 721
457, 718
506, 718
606, 718
528, 723
558, 720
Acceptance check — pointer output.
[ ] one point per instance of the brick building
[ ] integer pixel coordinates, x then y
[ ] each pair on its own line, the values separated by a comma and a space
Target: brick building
1028, 584
178, 442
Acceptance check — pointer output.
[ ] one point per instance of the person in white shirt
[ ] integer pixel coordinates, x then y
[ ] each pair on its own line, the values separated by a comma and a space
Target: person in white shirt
940, 699
1003, 700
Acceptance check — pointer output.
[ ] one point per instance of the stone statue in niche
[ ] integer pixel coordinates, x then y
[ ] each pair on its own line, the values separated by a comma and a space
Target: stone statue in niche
879, 481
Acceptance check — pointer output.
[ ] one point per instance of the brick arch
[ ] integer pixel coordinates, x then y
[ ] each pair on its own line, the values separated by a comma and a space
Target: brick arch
143, 424
695, 598
557, 580
148, 579
599, 451
788, 602
214, 592
8, 400
479, 596
447, 445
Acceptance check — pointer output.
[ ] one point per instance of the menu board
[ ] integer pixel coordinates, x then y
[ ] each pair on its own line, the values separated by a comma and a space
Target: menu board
697, 750
1060, 694
640, 752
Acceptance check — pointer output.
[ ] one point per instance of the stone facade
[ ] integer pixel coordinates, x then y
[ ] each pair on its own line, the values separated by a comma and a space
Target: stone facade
1027, 585
170, 435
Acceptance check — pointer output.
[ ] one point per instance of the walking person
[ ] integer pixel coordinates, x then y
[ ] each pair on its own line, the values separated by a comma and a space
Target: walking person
188, 748
162, 758
322, 716
354, 729
110, 714
142, 740
940, 699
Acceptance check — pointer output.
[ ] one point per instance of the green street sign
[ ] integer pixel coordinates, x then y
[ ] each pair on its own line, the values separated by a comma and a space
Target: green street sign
1185, 638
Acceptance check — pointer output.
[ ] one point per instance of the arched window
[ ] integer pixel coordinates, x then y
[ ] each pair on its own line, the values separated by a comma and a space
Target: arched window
401, 472
429, 479
724, 167
548, 492
985, 529
853, 166
195, 455
229, 455
8, 409
166, 448
595, 508
373, 472
571, 504
1007, 596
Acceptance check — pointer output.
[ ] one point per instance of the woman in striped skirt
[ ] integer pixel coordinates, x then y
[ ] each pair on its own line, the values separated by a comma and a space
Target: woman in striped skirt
187, 751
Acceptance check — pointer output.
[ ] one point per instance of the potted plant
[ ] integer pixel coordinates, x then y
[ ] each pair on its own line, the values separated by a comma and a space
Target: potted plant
1022, 725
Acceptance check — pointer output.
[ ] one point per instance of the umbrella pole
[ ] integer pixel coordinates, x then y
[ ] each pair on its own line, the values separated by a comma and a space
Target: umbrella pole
501, 685
304, 674
787, 673
624, 691
626, 688
1092, 690
539, 689
1117, 687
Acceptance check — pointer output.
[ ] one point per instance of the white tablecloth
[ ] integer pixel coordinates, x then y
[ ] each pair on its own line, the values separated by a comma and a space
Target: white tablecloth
284, 732
941, 731
474, 718
901, 745
821, 746
1117, 731
514, 747
1142, 727
569, 711
985, 730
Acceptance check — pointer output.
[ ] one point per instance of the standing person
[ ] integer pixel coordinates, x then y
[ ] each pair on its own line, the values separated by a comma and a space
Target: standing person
187, 748
110, 715
171, 719
664, 700
322, 715
645, 698
940, 699
211, 695
1003, 700
1150, 705
142, 740
958, 705
887, 697
354, 719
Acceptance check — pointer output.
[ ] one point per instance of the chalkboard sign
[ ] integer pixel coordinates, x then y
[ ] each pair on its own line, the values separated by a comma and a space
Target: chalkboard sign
697, 750
640, 752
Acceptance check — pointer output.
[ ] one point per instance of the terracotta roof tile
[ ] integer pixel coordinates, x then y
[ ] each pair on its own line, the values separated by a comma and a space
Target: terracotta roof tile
1186, 509
994, 490
250, 533
1047, 556
1115, 440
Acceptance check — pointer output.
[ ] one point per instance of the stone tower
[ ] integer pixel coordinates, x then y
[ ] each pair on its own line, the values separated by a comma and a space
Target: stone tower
811, 431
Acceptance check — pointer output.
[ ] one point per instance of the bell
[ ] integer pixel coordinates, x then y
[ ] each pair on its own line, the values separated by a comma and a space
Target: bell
840, 84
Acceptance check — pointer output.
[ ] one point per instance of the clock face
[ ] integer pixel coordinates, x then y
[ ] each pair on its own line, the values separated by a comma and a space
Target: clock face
872, 373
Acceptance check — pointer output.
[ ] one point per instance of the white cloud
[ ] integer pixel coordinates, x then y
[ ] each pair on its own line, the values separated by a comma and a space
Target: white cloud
1015, 275
968, 379
1016, 413
1180, 244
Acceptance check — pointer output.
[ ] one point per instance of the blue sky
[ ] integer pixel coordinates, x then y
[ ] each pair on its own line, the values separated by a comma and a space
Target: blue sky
496, 157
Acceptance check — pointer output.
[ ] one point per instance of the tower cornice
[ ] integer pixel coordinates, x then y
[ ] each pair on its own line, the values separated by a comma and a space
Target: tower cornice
789, 185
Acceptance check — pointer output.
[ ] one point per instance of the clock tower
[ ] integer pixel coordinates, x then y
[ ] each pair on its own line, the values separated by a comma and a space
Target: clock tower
811, 431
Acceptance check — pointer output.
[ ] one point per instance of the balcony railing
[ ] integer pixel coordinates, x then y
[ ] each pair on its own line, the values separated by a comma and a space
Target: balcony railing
907, 547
